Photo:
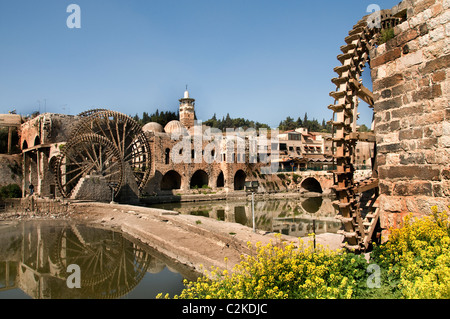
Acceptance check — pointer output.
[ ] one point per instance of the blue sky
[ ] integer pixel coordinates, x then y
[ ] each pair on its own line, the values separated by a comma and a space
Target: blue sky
258, 59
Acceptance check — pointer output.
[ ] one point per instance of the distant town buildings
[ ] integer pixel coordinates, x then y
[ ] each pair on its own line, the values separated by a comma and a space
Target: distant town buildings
184, 154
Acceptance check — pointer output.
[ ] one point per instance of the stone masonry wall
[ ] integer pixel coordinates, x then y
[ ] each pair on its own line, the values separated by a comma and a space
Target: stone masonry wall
411, 84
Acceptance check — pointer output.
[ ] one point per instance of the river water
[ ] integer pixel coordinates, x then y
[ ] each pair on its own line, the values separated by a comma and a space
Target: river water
36, 259
295, 217
36, 256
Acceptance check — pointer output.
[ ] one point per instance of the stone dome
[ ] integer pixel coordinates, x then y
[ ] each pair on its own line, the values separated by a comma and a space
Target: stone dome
175, 127
153, 127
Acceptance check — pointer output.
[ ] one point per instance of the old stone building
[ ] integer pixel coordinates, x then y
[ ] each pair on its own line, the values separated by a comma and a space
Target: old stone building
185, 156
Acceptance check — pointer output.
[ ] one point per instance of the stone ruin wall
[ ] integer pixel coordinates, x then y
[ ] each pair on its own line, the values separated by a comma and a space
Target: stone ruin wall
411, 86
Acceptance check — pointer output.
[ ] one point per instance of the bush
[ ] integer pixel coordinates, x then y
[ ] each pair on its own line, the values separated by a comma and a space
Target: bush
414, 263
386, 35
282, 271
11, 191
416, 258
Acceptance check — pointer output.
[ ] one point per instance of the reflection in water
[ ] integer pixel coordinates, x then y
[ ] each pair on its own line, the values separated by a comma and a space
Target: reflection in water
295, 217
34, 257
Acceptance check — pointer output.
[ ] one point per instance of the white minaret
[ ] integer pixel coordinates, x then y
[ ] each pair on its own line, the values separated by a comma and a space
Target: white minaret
187, 113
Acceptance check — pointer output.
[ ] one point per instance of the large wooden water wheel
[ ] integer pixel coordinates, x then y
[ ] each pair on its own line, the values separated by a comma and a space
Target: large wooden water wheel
88, 154
356, 200
123, 134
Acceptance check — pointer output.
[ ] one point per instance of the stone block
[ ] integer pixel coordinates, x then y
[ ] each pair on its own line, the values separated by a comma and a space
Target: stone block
410, 172
412, 158
423, 5
406, 36
427, 93
413, 133
391, 55
389, 148
388, 104
387, 127
438, 76
390, 204
437, 34
388, 82
407, 111
412, 188
442, 62
427, 143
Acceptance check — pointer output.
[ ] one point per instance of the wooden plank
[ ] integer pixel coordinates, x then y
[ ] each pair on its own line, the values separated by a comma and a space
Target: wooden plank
362, 137
371, 229
362, 92
367, 185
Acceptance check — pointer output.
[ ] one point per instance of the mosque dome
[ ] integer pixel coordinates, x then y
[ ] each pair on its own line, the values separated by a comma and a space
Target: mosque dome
153, 127
175, 127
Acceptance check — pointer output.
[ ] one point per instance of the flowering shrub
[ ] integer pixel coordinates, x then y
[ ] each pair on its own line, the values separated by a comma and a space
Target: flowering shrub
283, 270
416, 258
414, 263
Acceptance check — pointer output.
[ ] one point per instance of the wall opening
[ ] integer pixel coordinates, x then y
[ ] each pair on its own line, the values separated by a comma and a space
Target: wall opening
220, 180
37, 141
167, 156
171, 180
199, 179
239, 180
312, 185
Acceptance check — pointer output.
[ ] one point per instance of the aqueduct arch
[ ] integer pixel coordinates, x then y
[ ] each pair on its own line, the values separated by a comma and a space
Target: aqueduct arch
199, 179
239, 180
170, 181
311, 185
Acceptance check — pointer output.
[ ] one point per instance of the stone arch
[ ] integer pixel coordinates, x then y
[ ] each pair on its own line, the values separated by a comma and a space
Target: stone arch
24, 145
220, 182
171, 180
199, 179
37, 141
311, 185
239, 180
52, 163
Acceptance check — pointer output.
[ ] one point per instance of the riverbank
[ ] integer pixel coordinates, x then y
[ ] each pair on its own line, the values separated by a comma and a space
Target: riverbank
195, 241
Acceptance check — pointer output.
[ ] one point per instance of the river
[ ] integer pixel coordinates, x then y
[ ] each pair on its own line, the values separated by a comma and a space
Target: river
39, 260
295, 217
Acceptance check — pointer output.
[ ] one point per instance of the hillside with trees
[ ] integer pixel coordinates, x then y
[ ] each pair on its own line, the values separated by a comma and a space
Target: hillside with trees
164, 117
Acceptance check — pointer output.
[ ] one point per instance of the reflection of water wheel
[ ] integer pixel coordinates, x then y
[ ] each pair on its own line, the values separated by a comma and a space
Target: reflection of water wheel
131, 267
96, 252
357, 231
85, 155
110, 265
125, 134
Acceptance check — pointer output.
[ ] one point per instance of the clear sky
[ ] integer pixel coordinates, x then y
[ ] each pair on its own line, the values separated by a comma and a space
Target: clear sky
258, 59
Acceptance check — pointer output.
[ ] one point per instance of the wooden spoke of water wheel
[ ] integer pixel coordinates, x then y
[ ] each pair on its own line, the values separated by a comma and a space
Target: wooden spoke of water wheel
89, 154
126, 135
357, 229
97, 252
90, 112
131, 267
